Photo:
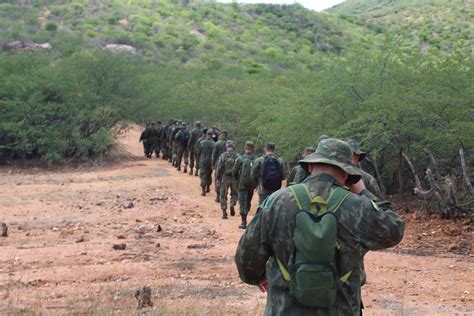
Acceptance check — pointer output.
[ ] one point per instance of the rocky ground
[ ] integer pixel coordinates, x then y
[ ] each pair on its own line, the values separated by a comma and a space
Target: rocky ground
59, 255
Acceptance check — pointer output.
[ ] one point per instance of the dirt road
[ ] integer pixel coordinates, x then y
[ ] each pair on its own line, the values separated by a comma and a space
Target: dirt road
58, 257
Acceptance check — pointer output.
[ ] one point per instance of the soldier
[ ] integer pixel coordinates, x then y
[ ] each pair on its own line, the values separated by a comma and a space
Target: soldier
269, 172
196, 133
174, 149
320, 138
297, 174
225, 177
369, 181
165, 131
196, 147
170, 140
205, 150
158, 147
148, 137
246, 185
218, 150
266, 249
182, 139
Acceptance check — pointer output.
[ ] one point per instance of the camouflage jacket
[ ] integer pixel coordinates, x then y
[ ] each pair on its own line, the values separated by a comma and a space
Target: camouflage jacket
371, 184
257, 169
196, 133
221, 170
365, 223
205, 151
218, 150
245, 158
297, 175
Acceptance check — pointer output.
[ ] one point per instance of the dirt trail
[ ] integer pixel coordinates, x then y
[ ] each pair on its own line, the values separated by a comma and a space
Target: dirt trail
59, 259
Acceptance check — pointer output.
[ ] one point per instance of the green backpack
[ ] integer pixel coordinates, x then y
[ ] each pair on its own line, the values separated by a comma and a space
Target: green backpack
312, 274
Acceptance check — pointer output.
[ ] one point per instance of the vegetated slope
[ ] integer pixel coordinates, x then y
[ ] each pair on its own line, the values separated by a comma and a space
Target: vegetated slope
424, 24
196, 34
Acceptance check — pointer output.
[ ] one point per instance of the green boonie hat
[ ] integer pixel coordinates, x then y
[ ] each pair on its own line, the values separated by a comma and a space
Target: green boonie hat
210, 131
356, 149
250, 144
334, 152
198, 123
230, 143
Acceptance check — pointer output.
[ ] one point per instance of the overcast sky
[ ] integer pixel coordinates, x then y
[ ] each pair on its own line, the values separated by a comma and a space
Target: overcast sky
311, 4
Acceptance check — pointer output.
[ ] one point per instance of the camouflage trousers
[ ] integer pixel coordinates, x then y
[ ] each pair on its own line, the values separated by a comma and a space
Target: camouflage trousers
182, 157
205, 174
245, 200
217, 183
148, 148
166, 150
192, 159
157, 148
225, 185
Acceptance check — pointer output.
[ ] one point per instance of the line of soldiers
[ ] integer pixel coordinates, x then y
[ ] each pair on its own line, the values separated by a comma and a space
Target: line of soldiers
209, 153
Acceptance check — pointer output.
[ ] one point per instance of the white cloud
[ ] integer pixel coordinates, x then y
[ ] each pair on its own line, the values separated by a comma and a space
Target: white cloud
317, 5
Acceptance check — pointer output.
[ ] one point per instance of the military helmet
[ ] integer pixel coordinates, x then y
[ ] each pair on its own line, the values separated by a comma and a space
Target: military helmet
356, 149
335, 152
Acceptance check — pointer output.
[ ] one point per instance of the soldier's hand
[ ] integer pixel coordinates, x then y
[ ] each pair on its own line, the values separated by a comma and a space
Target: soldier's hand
358, 187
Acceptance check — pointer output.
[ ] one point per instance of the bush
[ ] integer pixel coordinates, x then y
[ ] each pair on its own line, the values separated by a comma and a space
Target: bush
51, 27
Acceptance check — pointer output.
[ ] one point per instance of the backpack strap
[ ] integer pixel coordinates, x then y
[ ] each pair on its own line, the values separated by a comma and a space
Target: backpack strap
302, 196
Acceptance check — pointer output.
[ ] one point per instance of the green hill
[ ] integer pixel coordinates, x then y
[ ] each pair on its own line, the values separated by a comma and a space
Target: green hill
193, 33
423, 24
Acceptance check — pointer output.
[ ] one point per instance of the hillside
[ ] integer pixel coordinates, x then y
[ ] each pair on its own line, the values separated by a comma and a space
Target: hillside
423, 24
196, 34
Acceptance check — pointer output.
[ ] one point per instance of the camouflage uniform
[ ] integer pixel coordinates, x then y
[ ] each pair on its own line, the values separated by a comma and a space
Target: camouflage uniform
181, 139
297, 175
197, 155
263, 193
218, 150
205, 162
196, 133
149, 137
164, 134
369, 181
364, 223
227, 182
246, 186
158, 147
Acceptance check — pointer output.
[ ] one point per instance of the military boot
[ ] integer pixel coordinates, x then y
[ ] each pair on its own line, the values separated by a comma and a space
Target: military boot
232, 211
196, 173
224, 214
218, 199
244, 222
190, 171
178, 168
203, 193
208, 189
185, 170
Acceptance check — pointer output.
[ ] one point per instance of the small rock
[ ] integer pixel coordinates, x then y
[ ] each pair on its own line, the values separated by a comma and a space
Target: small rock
55, 229
4, 230
141, 230
158, 229
119, 246
452, 247
158, 245
138, 220
80, 239
121, 237
128, 204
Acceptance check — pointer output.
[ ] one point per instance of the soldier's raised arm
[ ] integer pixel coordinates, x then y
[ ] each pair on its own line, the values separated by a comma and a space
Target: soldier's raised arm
377, 224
